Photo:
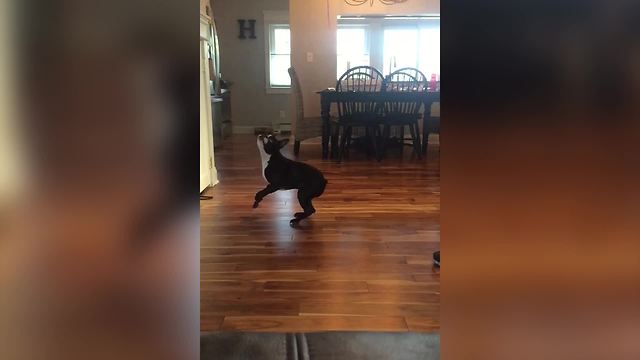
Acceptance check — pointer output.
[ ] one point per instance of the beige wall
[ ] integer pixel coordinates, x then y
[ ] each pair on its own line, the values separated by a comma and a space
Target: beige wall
243, 63
313, 29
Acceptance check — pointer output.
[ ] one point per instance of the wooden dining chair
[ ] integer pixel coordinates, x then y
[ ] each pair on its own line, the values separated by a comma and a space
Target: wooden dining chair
303, 128
404, 113
359, 113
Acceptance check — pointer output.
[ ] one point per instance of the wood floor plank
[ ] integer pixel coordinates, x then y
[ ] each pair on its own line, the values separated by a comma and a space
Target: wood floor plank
427, 278
361, 262
317, 286
293, 275
433, 288
350, 309
313, 323
344, 297
245, 307
419, 260
210, 322
422, 324
229, 285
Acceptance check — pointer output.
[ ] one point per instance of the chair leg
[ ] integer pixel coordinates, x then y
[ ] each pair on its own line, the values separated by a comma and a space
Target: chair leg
418, 142
367, 137
334, 140
416, 149
343, 143
374, 141
425, 134
425, 142
385, 139
296, 147
349, 133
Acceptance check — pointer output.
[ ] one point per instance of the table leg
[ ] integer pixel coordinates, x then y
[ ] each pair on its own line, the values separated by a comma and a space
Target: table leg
335, 141
326, 126
425, 130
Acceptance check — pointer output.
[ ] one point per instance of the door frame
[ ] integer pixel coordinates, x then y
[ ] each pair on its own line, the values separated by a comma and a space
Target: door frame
205, 26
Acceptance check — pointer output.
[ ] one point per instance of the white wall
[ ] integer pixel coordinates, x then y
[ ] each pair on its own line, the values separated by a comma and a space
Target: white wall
313, 29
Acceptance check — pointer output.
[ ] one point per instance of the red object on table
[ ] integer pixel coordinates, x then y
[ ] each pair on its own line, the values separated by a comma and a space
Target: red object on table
433, 83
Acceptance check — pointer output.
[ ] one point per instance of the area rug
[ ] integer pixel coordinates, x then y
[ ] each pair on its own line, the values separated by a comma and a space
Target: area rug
320, 346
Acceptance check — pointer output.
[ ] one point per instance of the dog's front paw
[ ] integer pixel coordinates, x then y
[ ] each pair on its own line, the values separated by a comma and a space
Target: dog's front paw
298, 215
255, 204
294, 222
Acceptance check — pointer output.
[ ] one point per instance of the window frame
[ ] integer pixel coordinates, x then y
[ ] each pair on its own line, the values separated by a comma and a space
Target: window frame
274, 20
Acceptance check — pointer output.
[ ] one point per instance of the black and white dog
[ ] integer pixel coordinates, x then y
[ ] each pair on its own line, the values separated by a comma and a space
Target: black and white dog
285, 174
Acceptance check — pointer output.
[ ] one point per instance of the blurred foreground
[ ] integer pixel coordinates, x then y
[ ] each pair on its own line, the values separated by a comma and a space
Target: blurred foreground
98, 208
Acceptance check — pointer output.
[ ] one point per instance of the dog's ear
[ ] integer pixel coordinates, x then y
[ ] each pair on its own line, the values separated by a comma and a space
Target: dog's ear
283, 143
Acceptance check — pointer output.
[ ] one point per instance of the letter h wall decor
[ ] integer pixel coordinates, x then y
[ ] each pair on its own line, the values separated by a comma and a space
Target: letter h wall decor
247, 26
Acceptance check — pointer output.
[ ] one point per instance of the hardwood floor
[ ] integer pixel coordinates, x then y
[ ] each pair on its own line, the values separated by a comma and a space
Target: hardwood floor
362, 262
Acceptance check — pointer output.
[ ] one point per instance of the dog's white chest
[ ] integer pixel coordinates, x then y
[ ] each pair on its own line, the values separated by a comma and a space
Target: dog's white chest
264, 157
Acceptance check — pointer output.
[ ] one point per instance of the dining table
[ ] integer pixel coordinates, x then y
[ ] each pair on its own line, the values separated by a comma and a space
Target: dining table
331, 96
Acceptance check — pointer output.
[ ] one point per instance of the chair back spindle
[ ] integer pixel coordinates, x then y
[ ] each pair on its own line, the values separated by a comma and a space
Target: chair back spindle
359, 79
405, 80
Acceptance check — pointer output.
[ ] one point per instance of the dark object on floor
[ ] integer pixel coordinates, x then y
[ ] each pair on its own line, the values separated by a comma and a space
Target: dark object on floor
205, 197
285, 174
320, 346
436, 258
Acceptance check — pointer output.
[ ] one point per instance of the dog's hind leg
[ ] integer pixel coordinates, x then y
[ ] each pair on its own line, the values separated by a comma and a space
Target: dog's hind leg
304, 197
264, 192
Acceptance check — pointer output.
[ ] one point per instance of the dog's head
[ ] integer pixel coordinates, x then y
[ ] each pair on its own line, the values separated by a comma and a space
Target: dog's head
270, 144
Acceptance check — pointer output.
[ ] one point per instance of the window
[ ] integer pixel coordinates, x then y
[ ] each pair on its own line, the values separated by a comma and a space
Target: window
417, 47
277, 52
429, 51
389, 43
400, 49
279, 56
353, 48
